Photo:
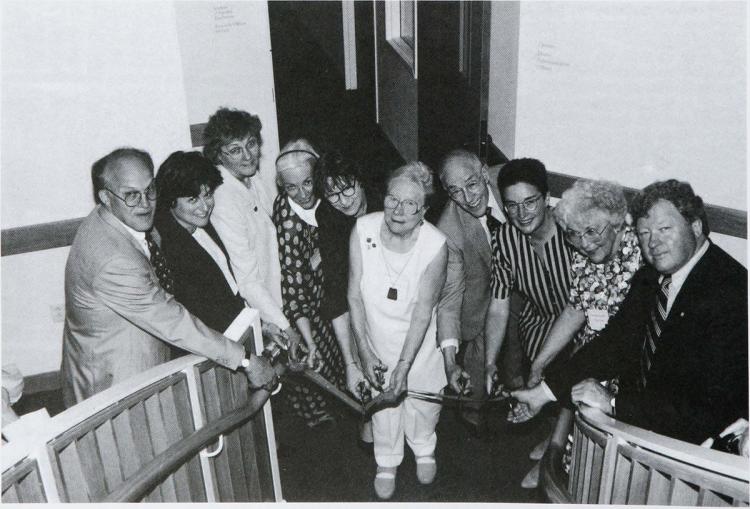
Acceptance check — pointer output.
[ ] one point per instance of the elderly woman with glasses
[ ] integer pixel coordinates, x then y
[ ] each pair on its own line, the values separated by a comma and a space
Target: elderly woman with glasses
594, 216
242, 217
397, 269
302, 275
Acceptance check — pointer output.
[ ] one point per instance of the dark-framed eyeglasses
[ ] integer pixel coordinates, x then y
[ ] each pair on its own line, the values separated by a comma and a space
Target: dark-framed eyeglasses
590, 235
237, 151
529, 205
410, 207
133, 198
347, 191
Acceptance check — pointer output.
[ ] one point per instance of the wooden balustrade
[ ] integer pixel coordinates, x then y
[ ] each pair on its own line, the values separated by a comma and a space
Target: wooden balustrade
142, 441
615, 463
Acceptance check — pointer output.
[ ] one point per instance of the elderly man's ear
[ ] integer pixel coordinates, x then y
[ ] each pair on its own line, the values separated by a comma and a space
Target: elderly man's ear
485, 173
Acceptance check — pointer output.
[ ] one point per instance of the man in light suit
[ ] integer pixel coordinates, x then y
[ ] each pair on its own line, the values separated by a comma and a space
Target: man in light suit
118, 319
679, 342
464, 308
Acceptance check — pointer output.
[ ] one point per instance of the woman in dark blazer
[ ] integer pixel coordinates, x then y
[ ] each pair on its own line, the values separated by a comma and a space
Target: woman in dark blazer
203, 279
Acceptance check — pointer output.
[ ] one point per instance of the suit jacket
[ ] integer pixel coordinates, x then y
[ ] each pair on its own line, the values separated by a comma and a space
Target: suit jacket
118, 319
199, 283
465, 298
698, 382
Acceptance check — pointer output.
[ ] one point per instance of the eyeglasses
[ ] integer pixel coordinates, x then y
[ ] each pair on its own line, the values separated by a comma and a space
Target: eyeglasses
133, 198
410, 207
335, 197
529, 205
473, 188
237, 151
590, 235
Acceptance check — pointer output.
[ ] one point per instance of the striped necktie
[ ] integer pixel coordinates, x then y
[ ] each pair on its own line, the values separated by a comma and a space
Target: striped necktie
159, 263
655, 326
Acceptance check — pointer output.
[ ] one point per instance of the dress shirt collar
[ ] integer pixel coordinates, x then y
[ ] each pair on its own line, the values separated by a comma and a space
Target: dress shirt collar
140, 237
233, 181
497, 211
307, 215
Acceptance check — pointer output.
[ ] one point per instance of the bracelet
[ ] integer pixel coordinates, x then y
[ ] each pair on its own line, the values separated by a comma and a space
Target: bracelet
350, 363
404, 360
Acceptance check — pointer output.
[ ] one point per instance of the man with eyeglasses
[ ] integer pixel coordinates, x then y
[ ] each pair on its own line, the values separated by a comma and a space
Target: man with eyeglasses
463, 318
119, 321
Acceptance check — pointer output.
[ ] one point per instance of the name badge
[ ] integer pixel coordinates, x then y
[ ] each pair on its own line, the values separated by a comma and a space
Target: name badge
315, 260
597, 318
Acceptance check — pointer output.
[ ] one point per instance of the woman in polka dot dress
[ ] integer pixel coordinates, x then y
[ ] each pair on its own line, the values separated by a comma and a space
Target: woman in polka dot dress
302, 277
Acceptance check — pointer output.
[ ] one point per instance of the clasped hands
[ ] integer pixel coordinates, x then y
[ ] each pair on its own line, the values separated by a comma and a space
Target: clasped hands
373, 376
301, 356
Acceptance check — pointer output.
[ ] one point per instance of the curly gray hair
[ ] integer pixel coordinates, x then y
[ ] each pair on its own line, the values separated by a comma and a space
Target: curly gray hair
417, 172
585, 195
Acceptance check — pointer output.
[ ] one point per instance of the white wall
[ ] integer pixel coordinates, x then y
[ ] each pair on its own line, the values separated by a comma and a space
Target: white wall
630, 91
83, 78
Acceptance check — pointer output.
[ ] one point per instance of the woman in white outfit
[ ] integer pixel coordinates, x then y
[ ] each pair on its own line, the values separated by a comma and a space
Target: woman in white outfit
397, 269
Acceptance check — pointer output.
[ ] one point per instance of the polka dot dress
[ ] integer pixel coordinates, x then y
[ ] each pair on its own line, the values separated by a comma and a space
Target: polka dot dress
302, 294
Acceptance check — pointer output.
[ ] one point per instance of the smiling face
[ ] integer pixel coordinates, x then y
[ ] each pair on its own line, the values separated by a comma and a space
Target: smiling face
297, 183
193, 212
526, 206
600, 243
667, 239
354, 205
466, 181
130, 175
406, 193
241, 157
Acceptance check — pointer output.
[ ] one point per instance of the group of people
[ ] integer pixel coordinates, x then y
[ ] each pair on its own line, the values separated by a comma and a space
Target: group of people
347, 274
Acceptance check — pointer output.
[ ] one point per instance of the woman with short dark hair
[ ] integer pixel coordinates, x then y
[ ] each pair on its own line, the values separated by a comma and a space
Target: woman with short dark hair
200, 265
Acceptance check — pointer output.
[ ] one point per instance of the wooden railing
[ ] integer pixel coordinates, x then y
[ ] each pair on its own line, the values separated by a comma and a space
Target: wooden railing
615, 463
185, 431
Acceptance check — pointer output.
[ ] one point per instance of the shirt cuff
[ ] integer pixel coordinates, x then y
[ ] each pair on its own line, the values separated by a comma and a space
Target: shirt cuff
548, 391
449, 342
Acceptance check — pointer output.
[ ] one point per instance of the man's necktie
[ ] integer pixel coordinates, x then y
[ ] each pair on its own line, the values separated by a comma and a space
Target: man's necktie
492, 223
655, 326
160, 264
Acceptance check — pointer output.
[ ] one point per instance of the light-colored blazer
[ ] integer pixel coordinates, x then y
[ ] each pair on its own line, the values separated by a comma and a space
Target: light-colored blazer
118, 319
465, 298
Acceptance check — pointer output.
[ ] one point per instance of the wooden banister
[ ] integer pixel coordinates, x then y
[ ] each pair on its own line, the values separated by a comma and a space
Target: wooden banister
167, 462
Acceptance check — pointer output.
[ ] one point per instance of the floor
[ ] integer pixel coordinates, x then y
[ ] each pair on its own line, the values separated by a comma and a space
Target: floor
329, 464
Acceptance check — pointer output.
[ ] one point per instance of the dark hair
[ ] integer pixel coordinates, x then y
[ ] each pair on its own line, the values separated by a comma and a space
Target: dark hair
225, 126
679, 194
524, 170
342, 170
100, 168
181, 175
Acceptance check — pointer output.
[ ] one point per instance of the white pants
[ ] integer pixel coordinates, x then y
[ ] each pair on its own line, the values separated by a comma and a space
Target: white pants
414, 419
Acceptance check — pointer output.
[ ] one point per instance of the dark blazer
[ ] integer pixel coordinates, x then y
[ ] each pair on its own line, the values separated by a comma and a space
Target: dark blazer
698, 382
199, 284
334, 229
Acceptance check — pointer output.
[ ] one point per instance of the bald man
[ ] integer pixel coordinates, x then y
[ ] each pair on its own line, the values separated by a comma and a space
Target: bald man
464, 309
119, 321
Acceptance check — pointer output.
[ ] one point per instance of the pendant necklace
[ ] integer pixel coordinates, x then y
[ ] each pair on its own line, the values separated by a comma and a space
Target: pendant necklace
392, 290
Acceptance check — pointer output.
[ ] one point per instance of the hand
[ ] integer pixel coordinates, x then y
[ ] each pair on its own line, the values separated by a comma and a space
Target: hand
260, 373
530, 403
369, 364
490, 379
738, 427
458, 379
398, 382
295, 344
354, 377
273, 334
314, 358
536, 375
591, 393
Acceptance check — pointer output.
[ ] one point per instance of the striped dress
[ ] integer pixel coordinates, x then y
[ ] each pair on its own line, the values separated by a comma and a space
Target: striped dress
545, 284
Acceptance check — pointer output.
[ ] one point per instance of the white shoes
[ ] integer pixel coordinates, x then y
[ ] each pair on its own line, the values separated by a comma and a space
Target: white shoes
385, 482
426, 469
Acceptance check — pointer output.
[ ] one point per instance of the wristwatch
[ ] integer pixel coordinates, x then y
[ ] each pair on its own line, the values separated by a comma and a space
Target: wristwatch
612, 404
245, 363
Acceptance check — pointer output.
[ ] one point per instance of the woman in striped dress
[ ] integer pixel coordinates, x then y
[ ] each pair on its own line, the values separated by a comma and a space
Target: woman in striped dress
530, 255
